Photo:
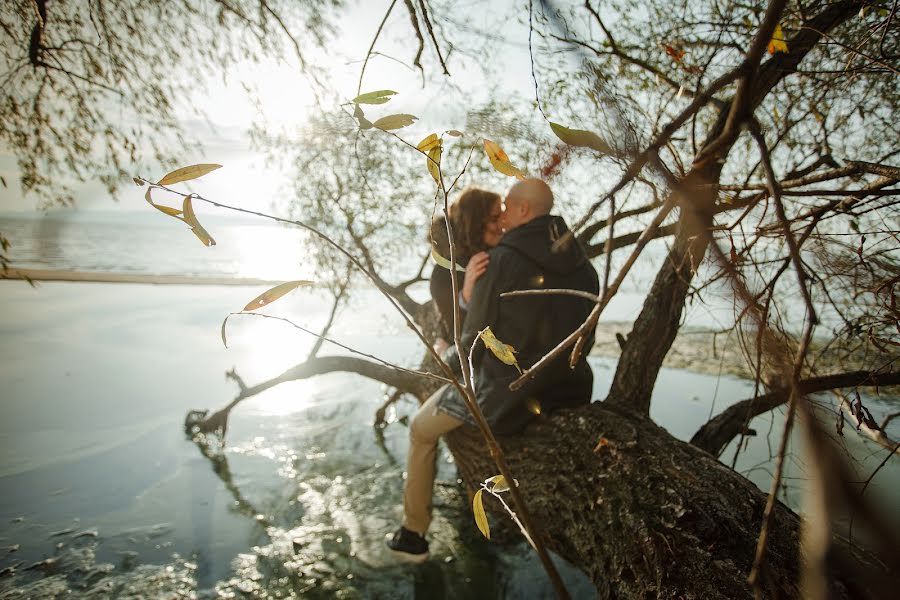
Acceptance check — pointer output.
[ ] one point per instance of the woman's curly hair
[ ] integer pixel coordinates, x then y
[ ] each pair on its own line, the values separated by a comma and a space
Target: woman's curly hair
469, 214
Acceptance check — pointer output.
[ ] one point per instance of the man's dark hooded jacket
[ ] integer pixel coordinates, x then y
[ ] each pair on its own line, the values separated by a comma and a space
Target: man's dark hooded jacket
533, 325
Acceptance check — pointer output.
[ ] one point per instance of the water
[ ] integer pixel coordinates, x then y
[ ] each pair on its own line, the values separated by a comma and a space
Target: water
103, 494
153, 244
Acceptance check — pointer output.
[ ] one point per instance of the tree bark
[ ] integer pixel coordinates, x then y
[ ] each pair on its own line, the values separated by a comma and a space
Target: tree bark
643, 514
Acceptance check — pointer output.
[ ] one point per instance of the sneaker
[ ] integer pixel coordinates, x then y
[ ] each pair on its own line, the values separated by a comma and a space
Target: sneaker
408, 545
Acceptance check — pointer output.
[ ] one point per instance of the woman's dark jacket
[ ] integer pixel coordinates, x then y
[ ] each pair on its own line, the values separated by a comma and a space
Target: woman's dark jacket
442, 294
533, 325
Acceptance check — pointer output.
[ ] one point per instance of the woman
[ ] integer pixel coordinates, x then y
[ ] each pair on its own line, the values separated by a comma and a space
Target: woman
475, 217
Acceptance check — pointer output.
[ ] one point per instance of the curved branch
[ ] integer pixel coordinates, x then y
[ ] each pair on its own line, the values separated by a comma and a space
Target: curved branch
716, 434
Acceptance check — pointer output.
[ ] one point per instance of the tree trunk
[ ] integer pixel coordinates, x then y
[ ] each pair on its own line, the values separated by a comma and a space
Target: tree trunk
656, 327
643, 514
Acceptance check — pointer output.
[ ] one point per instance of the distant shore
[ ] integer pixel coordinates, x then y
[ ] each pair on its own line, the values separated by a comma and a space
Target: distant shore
145, 278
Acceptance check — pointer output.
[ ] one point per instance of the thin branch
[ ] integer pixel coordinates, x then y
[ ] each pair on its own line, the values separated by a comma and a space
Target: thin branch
388, 364
372, 46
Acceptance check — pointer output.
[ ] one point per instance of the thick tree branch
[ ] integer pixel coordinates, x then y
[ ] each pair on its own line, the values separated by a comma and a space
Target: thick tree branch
715, 435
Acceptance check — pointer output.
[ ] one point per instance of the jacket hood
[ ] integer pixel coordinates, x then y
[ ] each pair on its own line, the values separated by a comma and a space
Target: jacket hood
535, 240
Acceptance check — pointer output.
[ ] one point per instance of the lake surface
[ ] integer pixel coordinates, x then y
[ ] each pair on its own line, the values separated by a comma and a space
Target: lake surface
103, 495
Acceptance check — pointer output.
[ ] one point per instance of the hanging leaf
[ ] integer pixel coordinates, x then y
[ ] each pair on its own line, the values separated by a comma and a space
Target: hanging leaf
581, 138
275, 293
137, 182
434, 163
443, 262
500, 484
431, 141
455, 133
480, 516
172, 212
379, 97
364, 123
394, 122
500, 160
224, 341
504, 352
533, 406
187, 173
191, 219
778, 43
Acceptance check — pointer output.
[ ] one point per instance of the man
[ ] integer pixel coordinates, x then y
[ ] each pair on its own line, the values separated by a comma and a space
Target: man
533, 325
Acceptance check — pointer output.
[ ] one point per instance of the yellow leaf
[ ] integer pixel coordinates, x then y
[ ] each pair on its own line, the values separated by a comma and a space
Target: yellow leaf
394, 122
379, 97
172, 212
434, 163
191, 219
500, 484
187, 173
480, 516
504, 352
533, 406
429, 142
500, 160
440, 260
581, 138
275, 293
778, 44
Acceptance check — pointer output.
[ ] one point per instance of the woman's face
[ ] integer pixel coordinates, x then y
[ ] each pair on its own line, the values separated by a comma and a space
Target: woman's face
492, 230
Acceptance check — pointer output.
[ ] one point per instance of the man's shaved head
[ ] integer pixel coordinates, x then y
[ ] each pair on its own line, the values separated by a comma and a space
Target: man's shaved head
535, 192
524, 201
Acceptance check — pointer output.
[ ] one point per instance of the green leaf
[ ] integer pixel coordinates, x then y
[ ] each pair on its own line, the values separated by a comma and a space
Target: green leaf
394, 122
504, 352
191, 219
364, 123
187, 173
275, 293
480, 516
440, 260
580, 138
379, 97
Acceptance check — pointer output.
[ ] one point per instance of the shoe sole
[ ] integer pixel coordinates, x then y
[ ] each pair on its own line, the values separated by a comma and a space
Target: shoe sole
410, 558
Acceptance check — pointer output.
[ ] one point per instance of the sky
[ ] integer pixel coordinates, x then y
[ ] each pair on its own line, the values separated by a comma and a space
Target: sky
247, 179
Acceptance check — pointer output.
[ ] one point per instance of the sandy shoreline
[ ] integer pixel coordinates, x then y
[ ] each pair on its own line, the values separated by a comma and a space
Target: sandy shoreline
148, 278
696, 350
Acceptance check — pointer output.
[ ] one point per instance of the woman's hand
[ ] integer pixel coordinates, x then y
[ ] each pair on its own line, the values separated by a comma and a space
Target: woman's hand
478, 264
440, 344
